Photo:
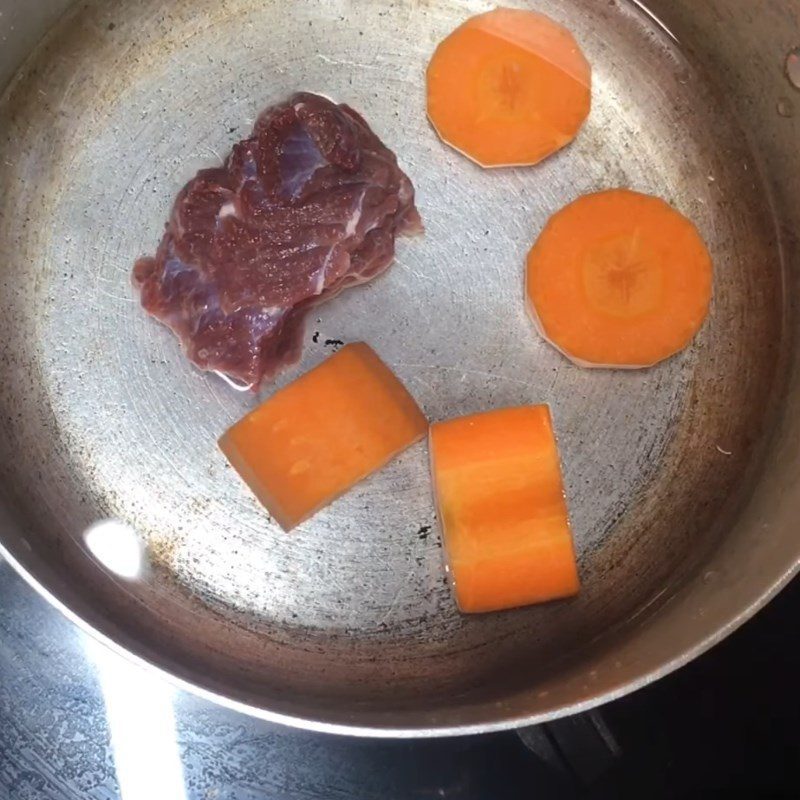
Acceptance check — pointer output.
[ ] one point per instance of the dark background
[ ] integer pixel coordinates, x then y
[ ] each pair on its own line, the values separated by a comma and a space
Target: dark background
726, 723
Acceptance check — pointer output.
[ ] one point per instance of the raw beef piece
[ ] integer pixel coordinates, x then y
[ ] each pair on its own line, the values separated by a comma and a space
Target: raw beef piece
309, 204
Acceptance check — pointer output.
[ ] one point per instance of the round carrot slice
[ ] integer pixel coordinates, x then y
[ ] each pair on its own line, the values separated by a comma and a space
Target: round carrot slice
508, 87
618, 279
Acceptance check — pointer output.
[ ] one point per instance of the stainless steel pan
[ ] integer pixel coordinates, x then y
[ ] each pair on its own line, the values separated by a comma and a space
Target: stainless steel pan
682, 479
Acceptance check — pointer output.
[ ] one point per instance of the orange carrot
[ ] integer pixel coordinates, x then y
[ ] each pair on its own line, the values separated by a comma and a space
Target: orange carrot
501, 503
508, 87
618, 279
314, 439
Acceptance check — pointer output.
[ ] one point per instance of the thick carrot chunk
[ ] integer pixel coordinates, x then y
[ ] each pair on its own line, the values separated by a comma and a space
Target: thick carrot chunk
314, 439
508, 87
501, 503
618, 279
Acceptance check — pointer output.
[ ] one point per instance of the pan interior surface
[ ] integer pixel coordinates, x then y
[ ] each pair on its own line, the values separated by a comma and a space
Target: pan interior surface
348, 619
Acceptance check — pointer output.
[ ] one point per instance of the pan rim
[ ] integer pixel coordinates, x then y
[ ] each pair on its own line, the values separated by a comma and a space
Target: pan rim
430, 731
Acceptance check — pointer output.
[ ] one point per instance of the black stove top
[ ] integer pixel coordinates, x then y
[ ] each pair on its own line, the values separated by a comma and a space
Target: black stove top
79, 722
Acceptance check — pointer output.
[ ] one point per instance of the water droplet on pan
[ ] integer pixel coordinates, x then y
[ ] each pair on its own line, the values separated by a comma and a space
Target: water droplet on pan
784, 107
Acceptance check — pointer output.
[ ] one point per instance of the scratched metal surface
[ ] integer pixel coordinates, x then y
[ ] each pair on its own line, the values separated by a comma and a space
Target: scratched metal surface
348, 621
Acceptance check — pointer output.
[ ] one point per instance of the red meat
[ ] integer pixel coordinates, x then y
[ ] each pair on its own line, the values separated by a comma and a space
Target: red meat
306, 206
